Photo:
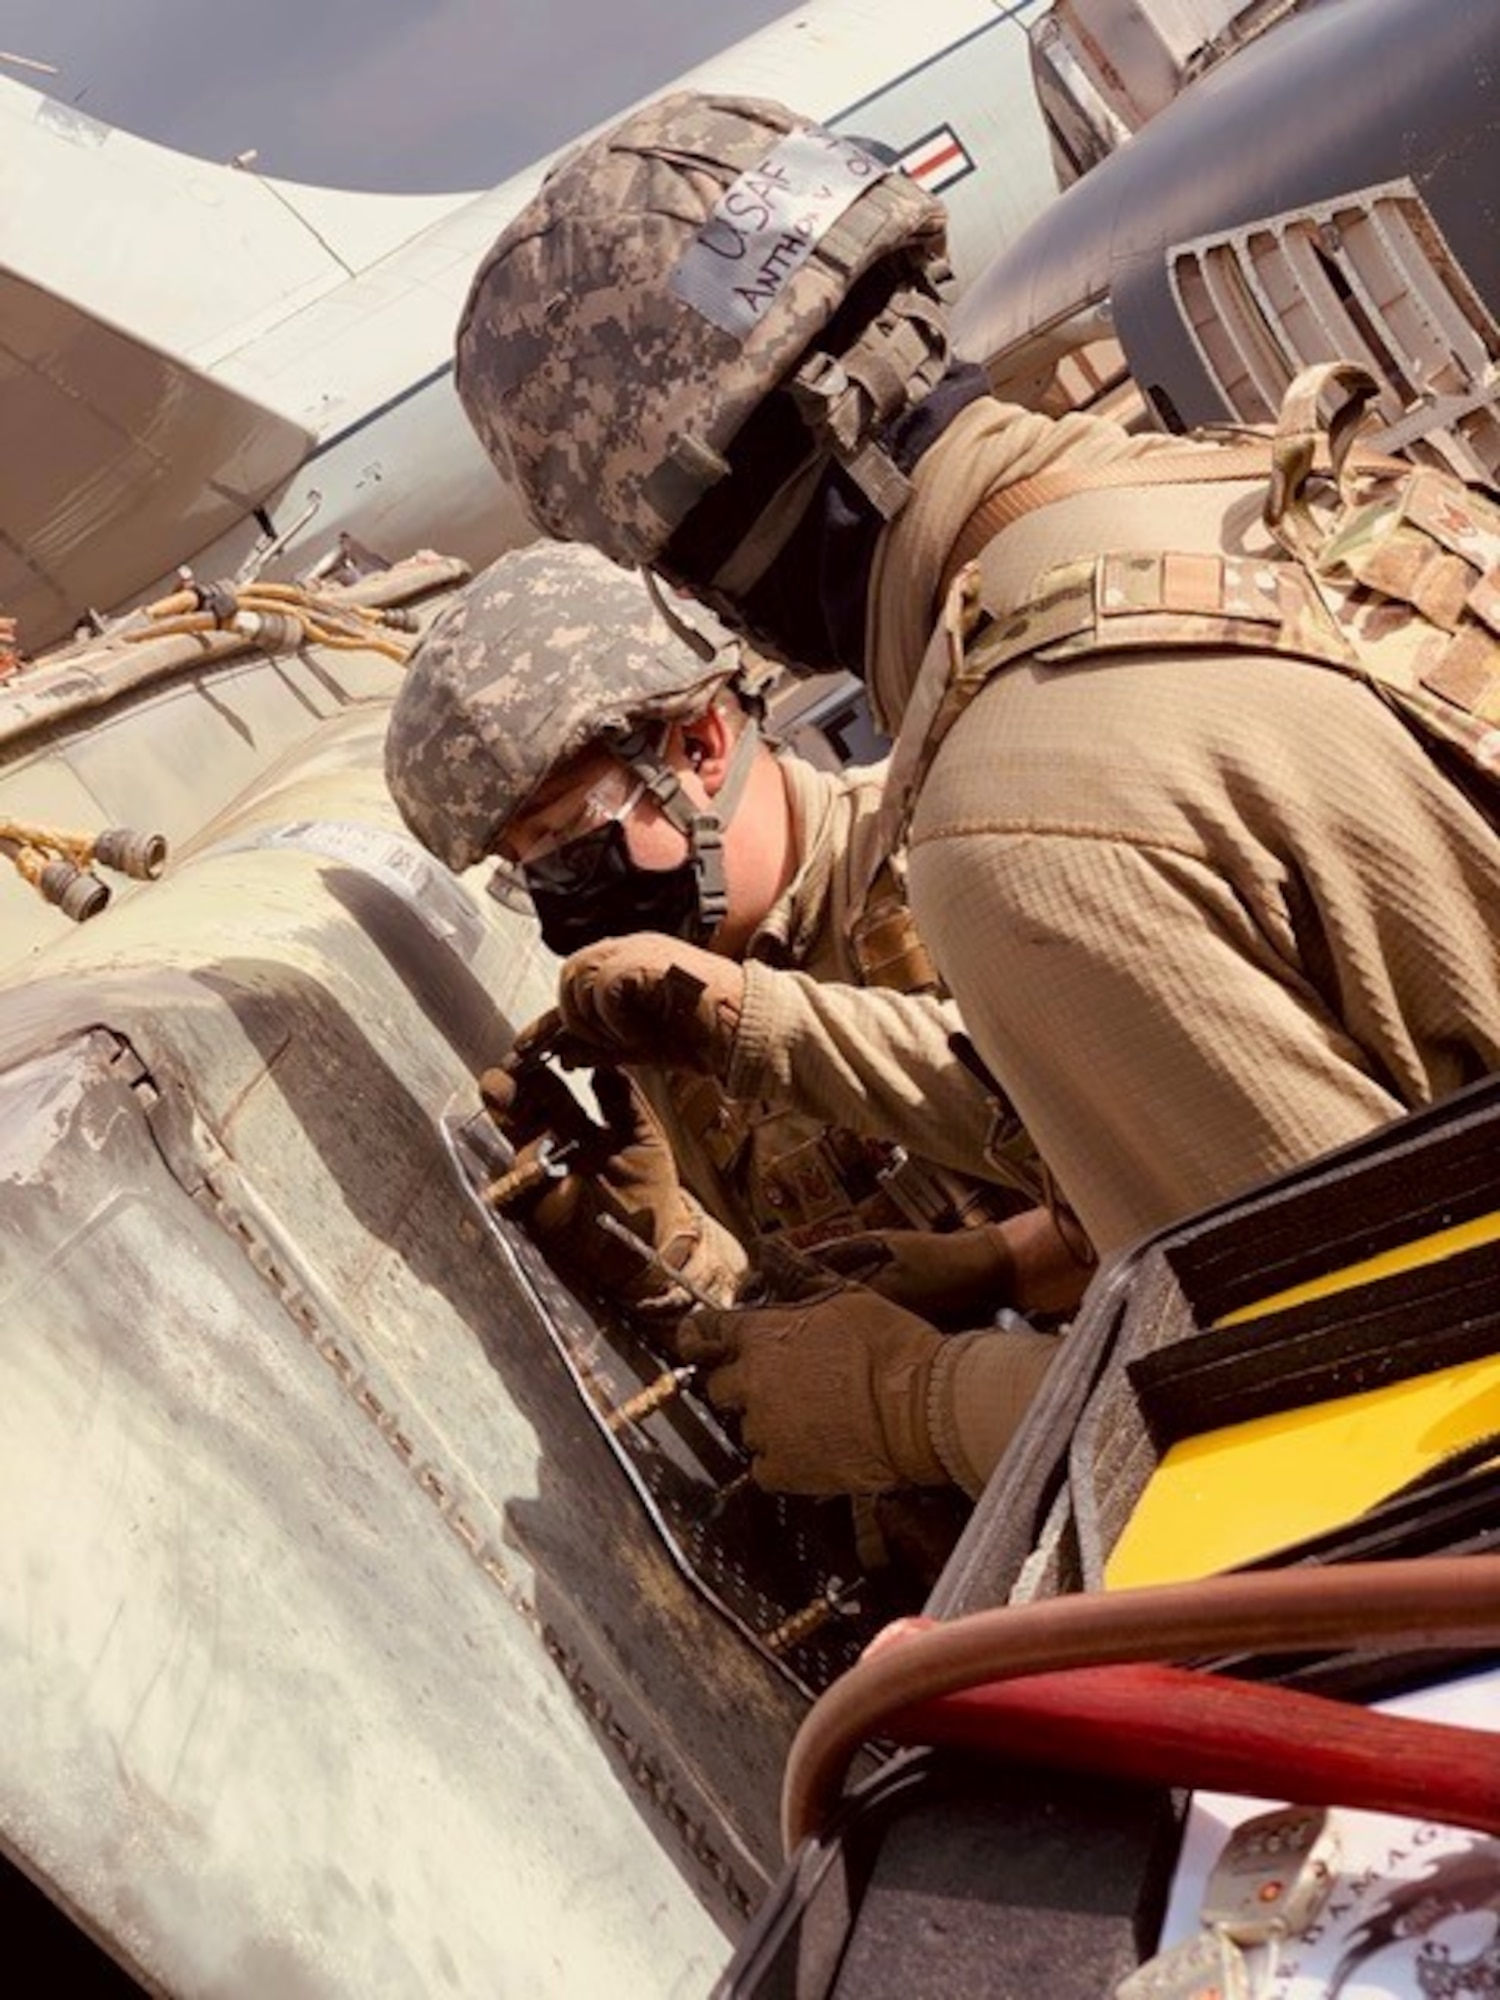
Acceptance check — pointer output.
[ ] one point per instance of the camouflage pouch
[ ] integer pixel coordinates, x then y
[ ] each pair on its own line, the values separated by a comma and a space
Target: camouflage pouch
1407, 559
884, 939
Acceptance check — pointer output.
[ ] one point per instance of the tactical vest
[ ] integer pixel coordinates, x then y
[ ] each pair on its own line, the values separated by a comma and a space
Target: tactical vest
812, 1183
1387, 571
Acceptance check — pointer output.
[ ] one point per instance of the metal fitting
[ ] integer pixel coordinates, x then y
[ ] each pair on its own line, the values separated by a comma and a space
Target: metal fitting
77, 893
141, 856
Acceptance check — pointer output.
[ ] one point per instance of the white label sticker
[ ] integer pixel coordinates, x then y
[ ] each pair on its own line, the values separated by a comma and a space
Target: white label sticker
1413, 1906
765, 225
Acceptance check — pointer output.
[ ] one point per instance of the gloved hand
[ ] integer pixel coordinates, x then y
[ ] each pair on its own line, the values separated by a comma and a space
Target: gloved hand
832, 1389
646, 999
527, 1097
954, 1277
625, 1171
962, 1277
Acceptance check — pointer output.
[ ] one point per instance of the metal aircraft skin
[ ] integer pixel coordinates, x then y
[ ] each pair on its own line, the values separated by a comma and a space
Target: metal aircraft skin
199, 360
1333, 193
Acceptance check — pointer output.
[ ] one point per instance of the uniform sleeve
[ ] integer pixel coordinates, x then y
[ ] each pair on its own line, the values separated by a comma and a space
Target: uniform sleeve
872, 1060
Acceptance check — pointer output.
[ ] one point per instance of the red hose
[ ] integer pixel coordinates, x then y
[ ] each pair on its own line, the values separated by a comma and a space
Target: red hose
1422, 1604
1171, 1726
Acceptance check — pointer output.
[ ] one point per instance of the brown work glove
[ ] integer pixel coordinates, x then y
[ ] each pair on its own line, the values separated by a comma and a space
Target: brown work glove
527, 1098
962, 1277
648, 999
626, 1172
832, 1389
953, 1277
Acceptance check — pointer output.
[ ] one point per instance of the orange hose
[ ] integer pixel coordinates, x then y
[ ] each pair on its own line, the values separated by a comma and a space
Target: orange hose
194, 623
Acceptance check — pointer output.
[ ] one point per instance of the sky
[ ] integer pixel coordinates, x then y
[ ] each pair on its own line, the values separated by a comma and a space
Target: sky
407, 96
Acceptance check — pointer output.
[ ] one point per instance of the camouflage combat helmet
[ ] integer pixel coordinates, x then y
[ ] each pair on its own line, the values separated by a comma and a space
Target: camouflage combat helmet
663, 282
548, 650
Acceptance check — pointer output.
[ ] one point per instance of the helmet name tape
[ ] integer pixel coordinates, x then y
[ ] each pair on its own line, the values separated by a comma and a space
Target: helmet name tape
767, 223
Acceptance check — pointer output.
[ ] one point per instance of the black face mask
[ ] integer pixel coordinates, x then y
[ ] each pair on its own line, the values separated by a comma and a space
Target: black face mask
808, 609
591, 889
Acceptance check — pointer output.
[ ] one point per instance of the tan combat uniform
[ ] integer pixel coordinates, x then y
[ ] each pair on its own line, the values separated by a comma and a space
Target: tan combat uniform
1207, 913
844, 1108
829, 1075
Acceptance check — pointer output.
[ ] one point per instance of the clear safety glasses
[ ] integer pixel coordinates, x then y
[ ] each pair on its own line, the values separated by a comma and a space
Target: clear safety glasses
535, 837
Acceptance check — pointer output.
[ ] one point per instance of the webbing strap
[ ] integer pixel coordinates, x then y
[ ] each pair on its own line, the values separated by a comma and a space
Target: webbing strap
1193, 465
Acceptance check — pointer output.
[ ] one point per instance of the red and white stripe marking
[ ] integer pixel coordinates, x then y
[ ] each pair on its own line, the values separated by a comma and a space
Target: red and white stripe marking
937, 160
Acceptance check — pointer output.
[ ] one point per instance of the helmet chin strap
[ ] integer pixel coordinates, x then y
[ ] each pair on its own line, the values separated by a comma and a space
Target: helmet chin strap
702, 829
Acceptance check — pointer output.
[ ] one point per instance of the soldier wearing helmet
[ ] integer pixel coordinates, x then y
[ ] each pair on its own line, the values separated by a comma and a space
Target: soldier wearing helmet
1188, 934
1207, 908
796, 1061
546, 657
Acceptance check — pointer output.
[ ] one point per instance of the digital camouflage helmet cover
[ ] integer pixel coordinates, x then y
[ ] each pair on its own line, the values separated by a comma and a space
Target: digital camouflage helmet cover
663, 282
550, 649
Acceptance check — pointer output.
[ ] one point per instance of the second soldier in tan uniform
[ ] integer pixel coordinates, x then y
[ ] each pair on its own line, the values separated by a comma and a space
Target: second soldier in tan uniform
793, 1046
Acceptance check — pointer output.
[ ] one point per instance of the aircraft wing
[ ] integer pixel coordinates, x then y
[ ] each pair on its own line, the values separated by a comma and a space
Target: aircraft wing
199, 359
131, 278
113, 452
